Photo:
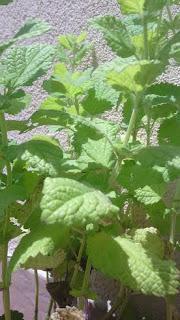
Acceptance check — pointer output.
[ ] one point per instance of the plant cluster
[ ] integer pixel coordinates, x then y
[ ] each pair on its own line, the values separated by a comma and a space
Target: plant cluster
110, 199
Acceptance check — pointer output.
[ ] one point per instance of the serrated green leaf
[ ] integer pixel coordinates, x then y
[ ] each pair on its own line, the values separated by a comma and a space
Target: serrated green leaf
133, 75
131, 6
93, 141
116, 35
42, 262
135, 267
15, 102
51, 117
41, 155
10, 195
150, 239
74, 204
157, 155
43, 240
150, 194
17, 125
165, 91
54, 88
32, 28
24, 64
94, 105
134, 175
139, 6
103, 89
73, 83
167, 127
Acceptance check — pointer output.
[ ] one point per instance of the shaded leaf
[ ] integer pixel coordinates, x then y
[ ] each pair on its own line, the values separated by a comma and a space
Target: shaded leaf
42, 240
169, 131
135, 267
15, 102
94, 105
41, 155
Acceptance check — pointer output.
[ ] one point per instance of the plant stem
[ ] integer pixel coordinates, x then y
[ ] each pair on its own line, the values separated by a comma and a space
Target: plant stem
49, 309
145, 35
76, 268
85, 282
148, 130
36, 309
6, 294
169, 310
173, 228
132, 123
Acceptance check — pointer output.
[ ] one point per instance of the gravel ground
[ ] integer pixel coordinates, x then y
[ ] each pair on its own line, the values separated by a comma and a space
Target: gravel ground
65, 16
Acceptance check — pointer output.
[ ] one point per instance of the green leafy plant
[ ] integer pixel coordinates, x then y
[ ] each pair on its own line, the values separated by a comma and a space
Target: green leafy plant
104, 201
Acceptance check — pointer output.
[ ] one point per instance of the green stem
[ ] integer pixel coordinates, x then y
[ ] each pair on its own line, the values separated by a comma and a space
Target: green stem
86, 275
76, 268
6, 294
145, 36
173, 228
76, 103
148, 130
49, 309
85, 283
36, 309
132, 123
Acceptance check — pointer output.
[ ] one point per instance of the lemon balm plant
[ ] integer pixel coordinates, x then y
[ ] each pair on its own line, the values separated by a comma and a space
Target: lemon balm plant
104, 202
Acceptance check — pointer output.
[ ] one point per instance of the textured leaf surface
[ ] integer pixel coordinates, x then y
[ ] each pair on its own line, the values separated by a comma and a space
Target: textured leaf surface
32, 28
102, 88
42, 262
42, 240
131, 6
74, 204
157, 155
116, 35
149, 194
130, 263
93, 141
150, 239
133, 75
15, 102
10, 195
94, 105
139, 6
24, 64
169, 126
41, 155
